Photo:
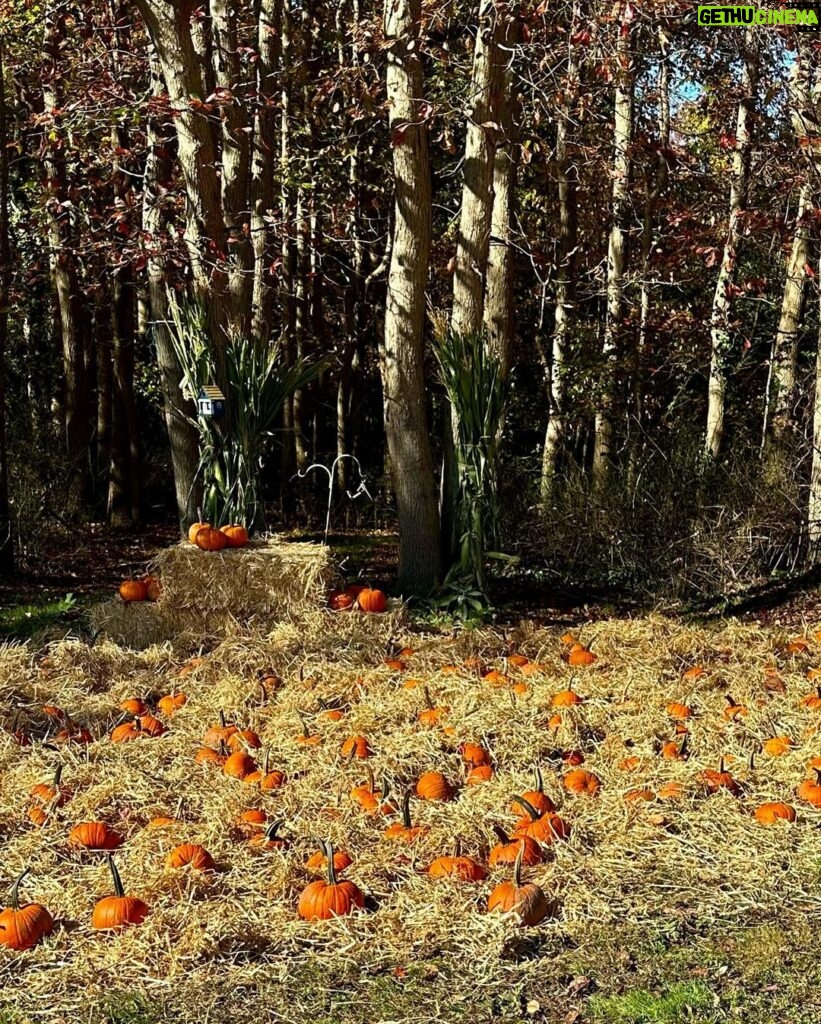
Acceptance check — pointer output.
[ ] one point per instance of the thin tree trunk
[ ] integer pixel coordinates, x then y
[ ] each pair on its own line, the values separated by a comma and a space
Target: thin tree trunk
64, 273
720, 320
617, 246
124, 492
567, 179
648, 236
102, 343
814, 505
6, 539
402, 360
182, 434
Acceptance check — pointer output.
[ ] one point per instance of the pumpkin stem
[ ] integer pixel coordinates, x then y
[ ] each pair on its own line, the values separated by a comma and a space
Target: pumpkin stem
428, 701
730, 700
817, 775
528, 806
329, 853
305, 731
15, 898
272, 829
721, 765
500, 834
517, 865
115, 874
406, 799
457, 847
223, 750
222, 719
58, 771
682, 747
384, 792
537, 779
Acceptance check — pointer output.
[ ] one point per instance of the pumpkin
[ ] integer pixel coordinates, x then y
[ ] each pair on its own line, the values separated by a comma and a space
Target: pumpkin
566, 698
341, 600
251, 821
356, 746
519, 660
696, 672
405, 831
630, 763
244, 739
38, 815
508, 851
307, 738
536, 797
544, 828
268, 780
23, 927
396, 665
235, 534
640, 794
473, 754
582, 782
171, 703
495, 678
73, 733
133, 590
797, 646
238, 765
673, 750
126, 732
481, 773
533, 668
322, 900
95, 835
364, 793
219, 733
579, 655
333, 710
209, 539
119, 910
153, 588
317, 863
190, 855
670, 791
133, 706
150, 726
770, 813
812, 701
713, 780
572, 758
678, 710
207, 755
734, 711
810, 789
527, 902
269, 839
555, 722
162, 821
434, 786
777, 746
372, 600
50, 793
195, 528
455, 865
431, 714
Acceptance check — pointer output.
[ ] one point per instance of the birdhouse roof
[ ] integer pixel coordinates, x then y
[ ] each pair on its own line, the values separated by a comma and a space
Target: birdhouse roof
211, 391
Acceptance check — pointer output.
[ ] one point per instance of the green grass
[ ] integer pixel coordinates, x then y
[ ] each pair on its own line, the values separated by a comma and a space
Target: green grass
131, 1008
23, 621
684, 1001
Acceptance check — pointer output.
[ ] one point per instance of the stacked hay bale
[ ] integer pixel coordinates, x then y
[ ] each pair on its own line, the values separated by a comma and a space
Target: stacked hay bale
209, 594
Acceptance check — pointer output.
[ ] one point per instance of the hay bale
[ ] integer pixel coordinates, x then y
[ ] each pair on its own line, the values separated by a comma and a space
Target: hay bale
213, 594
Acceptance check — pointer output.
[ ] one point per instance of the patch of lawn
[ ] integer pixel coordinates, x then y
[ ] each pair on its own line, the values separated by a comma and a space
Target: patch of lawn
131, 1008
23, 621
680, 1002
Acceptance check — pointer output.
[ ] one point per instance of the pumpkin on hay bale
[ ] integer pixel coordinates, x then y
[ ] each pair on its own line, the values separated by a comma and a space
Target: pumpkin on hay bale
207, 593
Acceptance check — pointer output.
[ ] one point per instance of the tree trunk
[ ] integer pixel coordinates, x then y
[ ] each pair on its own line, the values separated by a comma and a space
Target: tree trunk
617, 246
567, 178
402, 361
814, 505
102, 344
63, 272
720, 320
182, 433
6, 539
124, 492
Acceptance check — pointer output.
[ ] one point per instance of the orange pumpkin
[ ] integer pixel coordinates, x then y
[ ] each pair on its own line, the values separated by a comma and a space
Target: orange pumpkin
209, 539
119, 910
195, 528
190, 855
582, 782
322, 900
405, 831
458, 866
235, 534
171, 703
508, 851
133, 590
771, 813
95, 835
434, 786
23, 927
527, 902
372, 600
536, 797
341, 600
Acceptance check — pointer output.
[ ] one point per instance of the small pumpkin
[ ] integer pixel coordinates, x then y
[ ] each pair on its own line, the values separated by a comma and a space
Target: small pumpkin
117, 911
810, 789
317, 863
405, 831
171, 703
150, 726
207, 755
244, 739
582, 782
580, 656
640, 794
430, 716
322, 900
153, 588
209, 539
50, 793
536, 797
527, 902
679, 711
544, 828
812, 701
456, 865
670, 791
481, 773
713, 780
777, 746
251, 821
306, 737
133, 590
23, 927
238, 765
195, 528
190, 855
341, 600
235, 534
356, 747
473, 754
133, 706
734, 710
95, 835
371, 600
566, 698
434, 786
507, 851
219, 733
771, 813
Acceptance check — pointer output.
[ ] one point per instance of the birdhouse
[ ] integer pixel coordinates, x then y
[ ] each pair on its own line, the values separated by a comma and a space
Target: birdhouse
211, 401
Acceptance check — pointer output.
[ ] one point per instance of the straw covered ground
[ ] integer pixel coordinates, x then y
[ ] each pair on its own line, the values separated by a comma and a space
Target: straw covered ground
228, 944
